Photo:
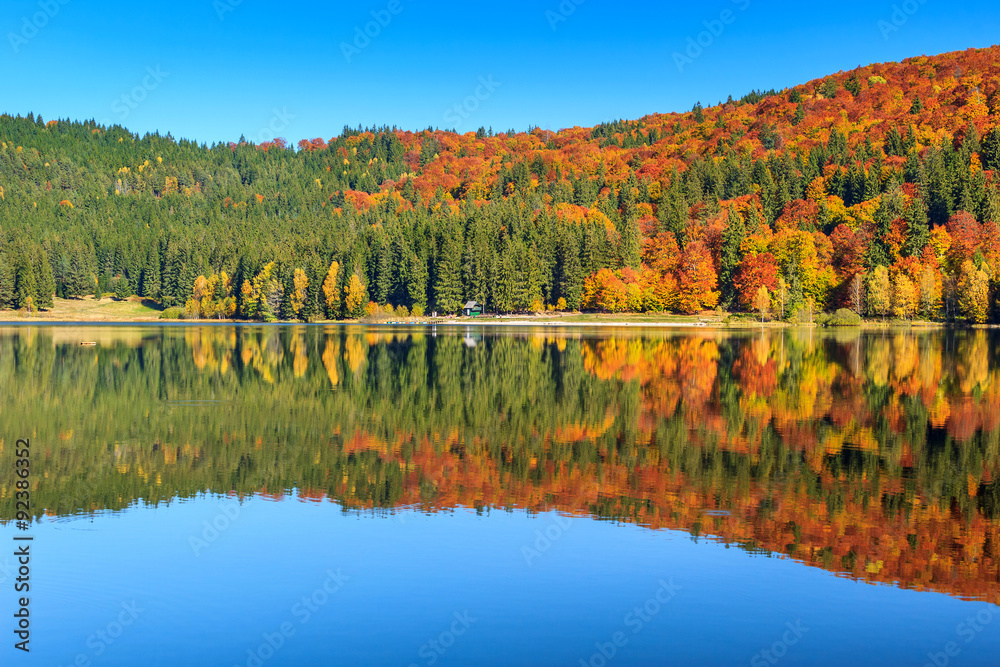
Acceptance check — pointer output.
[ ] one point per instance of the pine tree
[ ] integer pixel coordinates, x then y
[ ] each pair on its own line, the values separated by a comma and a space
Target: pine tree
919, 232
478, 265
448, 274
80, 280
570, 282
800, 114
103, 285
286, 310
532, 282
150, 278
311, 308
991, 150
171, 286
381, 275
417, 284
6, 282
852, 85
46, 285
730, 256
699, 114
504, 294
25, 284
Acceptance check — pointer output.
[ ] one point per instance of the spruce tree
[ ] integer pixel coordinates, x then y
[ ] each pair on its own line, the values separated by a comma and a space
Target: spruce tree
800, 114
448, 273
25, 284
630, 248
570, 283
417, 283
991, 150
730, 256
382, 278
285, 310
699, 114
150, 278
312, 307
504, 294
79, 279
46, 285
6, 282
918, 234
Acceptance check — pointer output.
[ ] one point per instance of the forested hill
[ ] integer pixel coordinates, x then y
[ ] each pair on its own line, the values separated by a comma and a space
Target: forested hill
872, 189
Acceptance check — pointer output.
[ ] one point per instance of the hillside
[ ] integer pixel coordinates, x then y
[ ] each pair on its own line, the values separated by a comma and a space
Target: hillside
872, 189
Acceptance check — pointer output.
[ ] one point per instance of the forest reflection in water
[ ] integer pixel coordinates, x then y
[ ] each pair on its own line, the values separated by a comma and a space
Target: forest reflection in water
875, 455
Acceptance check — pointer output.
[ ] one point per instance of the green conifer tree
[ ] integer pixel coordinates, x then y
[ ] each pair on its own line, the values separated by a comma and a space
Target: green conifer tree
448, 273
730, 256
6, 282
45, 282
25, 283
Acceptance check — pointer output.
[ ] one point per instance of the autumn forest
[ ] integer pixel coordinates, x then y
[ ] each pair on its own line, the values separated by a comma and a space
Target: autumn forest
873, 190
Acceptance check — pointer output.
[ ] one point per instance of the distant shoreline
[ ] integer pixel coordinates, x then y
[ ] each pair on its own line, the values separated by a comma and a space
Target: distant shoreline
137, 311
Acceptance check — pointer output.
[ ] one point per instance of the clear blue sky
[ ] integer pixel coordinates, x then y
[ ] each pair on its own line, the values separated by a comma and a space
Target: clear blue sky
227, 68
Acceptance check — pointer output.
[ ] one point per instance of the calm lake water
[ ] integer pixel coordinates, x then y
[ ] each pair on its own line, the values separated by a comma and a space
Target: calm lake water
219, 495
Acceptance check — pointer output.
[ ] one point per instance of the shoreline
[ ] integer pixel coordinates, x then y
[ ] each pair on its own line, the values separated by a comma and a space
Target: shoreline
456, 323
136, 311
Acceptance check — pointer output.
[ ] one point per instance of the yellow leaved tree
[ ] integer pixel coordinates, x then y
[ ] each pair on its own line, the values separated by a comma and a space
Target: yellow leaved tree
330, 293
355, 297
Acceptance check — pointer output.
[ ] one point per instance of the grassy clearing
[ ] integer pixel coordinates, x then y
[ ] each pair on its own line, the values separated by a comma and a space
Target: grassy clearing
88, 309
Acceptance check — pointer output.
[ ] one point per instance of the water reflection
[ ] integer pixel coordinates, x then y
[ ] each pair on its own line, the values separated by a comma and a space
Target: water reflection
873, 456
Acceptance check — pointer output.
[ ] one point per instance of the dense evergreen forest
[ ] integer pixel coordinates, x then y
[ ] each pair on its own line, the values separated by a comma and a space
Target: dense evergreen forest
873, 190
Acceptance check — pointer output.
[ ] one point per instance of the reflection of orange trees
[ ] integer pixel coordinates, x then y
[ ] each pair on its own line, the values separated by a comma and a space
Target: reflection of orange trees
211, 347
920, 546
355, 352
682, 368
873, 455
263, 353
578, 432
300, 358
331, 354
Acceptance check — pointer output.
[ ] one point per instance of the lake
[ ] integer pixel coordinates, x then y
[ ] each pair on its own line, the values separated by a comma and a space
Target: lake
258, 495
